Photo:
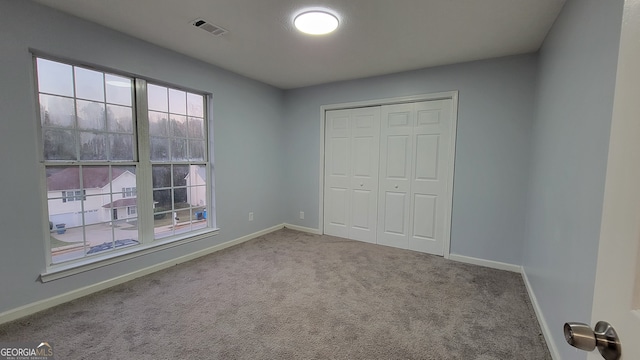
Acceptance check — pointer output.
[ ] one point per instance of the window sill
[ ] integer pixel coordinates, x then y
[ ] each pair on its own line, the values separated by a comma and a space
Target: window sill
55, 272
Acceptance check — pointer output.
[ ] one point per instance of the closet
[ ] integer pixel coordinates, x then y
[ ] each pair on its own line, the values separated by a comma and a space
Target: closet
387, 172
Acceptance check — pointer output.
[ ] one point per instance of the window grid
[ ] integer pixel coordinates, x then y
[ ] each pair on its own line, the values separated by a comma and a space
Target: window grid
175, 118
77, 131
119, 210
102, 220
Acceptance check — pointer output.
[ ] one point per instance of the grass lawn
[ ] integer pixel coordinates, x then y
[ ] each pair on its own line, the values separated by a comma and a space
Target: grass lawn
56, 243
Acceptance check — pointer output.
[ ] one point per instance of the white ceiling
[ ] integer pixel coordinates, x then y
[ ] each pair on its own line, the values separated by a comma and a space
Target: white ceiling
375, 37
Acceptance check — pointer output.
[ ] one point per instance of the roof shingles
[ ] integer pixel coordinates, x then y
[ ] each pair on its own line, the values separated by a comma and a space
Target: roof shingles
93, 177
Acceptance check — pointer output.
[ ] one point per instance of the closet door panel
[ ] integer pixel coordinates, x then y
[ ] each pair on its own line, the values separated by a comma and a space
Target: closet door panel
431, 136
365, 160
337, 173
395, 174
352, 141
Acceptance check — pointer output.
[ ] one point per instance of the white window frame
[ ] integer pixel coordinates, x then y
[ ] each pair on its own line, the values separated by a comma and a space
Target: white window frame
143, 182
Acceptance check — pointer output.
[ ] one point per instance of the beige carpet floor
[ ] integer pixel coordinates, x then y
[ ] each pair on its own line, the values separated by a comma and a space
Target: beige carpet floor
292, 295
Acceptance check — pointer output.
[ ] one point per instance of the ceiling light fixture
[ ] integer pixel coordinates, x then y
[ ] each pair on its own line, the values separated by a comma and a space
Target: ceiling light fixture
316, 22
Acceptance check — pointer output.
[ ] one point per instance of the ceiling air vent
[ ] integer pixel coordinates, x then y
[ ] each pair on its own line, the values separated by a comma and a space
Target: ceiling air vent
214, 30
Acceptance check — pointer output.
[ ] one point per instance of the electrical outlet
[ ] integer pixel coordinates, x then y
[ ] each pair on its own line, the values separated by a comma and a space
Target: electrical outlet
251, 216
301, 214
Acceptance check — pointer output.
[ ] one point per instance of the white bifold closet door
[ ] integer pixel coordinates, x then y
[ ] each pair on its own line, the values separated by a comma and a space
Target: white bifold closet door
352, 139
414, 166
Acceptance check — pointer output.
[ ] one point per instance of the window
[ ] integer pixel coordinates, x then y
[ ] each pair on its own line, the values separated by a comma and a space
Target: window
96, 152
73, 195
128, 192
178, 148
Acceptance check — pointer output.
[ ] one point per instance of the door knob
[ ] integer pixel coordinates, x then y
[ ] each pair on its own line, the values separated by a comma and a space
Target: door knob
361, 184
396, 186
604, 337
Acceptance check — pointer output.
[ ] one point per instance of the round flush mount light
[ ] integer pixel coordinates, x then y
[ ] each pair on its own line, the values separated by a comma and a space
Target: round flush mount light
316, 22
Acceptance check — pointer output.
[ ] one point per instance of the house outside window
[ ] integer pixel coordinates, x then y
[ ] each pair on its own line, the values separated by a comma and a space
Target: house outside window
101, 133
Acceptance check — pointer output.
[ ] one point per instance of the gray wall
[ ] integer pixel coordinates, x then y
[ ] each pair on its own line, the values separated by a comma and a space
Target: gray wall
492, 148
247, 143
577, 68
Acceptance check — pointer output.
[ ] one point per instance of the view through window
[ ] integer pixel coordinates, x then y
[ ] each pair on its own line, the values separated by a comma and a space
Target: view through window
91, 139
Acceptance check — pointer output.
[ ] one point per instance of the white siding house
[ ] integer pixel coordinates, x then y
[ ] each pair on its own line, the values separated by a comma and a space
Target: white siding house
100, 199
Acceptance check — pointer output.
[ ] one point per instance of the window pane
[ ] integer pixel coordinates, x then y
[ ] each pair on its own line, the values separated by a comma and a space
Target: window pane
161, 175
194, 105
93, 146
121, 147
162, 200
61, 178
179, 149
59, 145
180, 173
91, 115
196, 150
99, 238
119, 119
66, 243
177, 102
198, 218
157, 98
96, 177
118, 90
89, 84
197, 175
123, 177
196, 128
180, 199
158, 123
54, 77
197, 196
182, 219
126, 232
178, 126
163, 225
57, 111
97, 208
159, 149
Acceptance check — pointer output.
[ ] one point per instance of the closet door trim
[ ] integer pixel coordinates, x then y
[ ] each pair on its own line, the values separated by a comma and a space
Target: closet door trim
453, 95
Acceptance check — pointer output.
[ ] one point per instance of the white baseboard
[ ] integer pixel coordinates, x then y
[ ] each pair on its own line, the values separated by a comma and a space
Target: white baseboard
304, 229
34, 307
546, 331
486, 263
